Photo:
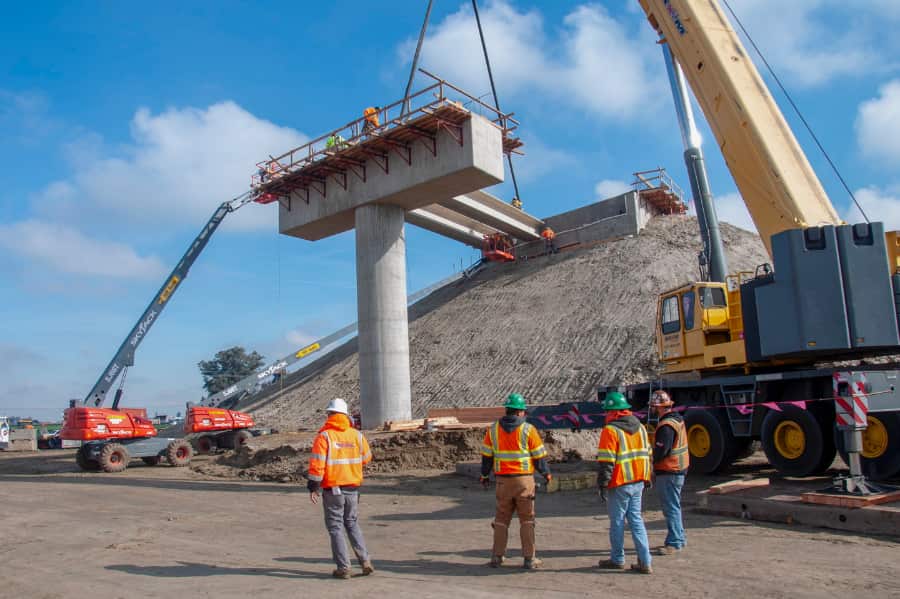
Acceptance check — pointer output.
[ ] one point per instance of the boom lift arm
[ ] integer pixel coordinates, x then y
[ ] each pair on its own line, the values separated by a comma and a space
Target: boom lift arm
124, 357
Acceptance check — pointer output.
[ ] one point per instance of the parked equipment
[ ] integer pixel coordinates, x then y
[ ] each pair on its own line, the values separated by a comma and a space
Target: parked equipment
212, 428
741, 356
112, 436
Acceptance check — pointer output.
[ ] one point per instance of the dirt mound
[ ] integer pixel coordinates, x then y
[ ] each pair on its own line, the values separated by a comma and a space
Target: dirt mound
393, 452
552, 328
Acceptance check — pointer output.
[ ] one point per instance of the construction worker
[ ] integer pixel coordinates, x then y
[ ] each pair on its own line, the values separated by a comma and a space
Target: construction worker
549, 240
670, 464
513, 449
334, 142
624, 457
336, 472
516, 203
371, 123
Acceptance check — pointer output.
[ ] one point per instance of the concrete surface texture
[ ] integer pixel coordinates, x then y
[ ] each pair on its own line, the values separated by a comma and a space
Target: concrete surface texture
170, 532
384, 390
454, 170
552, 328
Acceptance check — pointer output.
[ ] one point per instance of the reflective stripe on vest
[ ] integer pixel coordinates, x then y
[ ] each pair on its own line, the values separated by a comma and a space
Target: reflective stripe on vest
679, 457
513, 461
631, 464
333, 465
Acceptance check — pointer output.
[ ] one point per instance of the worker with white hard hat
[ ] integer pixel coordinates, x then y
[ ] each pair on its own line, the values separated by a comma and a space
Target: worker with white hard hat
670, 465
336, 472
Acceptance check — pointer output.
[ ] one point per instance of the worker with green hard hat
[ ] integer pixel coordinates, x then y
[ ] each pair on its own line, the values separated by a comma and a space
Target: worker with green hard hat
513, 449
623, 454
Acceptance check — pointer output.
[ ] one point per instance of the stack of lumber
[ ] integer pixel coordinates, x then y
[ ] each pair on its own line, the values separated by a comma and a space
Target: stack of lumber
468, 417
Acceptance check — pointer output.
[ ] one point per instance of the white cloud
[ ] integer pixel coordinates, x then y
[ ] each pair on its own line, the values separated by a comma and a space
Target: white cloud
540, 159
595, 63
608, 188
65, 250
878, 125
879, 205
299, 338
179, 166
730, 208
812, 42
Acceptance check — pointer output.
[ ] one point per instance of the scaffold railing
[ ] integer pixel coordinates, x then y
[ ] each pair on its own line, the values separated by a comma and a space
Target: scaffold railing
658, 187
440, 105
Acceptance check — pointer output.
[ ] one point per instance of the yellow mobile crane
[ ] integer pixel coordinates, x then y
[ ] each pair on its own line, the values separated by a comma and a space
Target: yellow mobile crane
745, 356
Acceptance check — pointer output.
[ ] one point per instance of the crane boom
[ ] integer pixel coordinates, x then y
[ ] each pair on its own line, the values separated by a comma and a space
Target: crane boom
772, 173
124, 357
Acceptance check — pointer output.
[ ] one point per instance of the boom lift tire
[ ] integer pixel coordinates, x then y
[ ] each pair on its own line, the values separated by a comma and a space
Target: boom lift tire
151, 460
239, 438
84, 462
710, 441
794, 442
880, 457
113, 457
178, 453
205, 444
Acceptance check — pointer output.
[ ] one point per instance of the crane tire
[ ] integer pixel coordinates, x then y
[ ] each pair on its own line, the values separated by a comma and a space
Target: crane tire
240, 438
84, 462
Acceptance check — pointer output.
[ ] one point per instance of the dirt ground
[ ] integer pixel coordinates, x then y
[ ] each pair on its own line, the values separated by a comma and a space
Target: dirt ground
167, 532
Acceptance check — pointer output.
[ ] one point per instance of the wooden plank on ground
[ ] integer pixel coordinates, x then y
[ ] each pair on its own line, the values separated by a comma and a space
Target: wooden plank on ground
464, 426
849, 501
469, 414
737, 485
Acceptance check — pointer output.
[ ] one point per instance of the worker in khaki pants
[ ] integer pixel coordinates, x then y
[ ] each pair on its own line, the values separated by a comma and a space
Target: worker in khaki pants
513, 449
339, 453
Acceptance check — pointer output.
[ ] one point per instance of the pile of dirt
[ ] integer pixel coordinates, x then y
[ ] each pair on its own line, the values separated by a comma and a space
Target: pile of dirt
552, 328
286, 460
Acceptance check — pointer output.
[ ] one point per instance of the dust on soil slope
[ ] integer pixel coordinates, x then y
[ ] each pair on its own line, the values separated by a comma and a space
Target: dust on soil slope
552, 328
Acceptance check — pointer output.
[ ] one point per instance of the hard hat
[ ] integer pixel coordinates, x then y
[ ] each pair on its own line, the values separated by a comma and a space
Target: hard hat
615, 401
338, 405
660, 398
515, 401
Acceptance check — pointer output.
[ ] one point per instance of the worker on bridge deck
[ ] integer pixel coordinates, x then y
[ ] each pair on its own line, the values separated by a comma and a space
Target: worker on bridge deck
513, 449
549, 240
371, 123
336, 471
624, 457
670, 464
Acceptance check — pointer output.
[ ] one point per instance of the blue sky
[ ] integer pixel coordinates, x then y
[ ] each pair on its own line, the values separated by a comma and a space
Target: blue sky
122, 126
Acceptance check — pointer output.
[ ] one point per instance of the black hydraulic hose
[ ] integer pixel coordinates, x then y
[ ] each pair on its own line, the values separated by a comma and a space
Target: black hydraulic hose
487, 62
415, 63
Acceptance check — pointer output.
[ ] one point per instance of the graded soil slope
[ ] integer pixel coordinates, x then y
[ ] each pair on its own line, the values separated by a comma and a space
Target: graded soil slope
552, 328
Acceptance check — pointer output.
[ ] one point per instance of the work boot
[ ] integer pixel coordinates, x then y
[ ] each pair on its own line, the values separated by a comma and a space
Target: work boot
532, 563
342, 573
608, 564
368, 568
666, 550
496, 561
641, 568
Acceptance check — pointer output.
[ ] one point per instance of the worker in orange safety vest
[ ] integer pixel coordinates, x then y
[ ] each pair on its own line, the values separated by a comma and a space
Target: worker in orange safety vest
623, 454
549, 240
670, 464
339, 453
513, 449
371, 123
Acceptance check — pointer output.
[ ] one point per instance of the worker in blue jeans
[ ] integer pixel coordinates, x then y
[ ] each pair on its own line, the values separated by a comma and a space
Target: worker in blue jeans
670, 464
623, 455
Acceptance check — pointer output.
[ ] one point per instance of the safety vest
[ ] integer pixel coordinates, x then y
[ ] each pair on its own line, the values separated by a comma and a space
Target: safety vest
678, 459
514, 453
548, 234
338, 457
629, 454
371, 115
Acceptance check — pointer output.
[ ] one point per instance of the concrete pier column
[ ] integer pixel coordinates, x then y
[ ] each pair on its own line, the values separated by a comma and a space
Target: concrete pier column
384, 388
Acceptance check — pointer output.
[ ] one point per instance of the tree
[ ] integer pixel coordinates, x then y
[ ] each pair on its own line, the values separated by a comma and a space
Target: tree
228, 367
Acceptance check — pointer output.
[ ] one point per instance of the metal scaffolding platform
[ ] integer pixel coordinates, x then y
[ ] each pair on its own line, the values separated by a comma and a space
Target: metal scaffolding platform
351, 150
660, 191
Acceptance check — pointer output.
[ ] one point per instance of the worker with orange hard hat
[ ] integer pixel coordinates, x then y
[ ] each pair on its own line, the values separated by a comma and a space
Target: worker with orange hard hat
336, 472
512, 449
670, 464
